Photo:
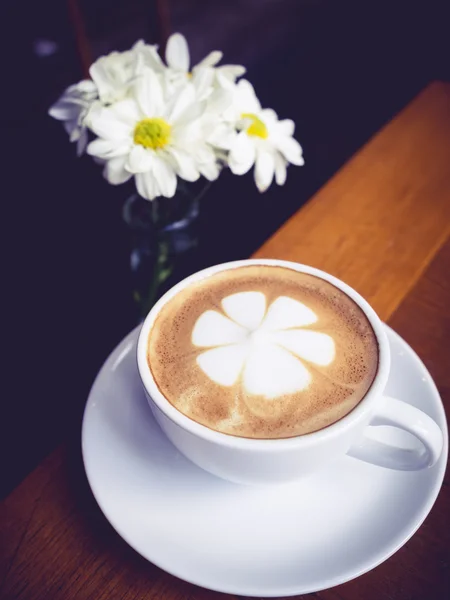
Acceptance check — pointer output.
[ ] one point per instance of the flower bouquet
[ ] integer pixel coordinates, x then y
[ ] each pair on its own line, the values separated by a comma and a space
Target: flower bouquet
167, 125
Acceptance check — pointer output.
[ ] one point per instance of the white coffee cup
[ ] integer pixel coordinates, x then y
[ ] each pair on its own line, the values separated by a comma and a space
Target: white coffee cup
257, 461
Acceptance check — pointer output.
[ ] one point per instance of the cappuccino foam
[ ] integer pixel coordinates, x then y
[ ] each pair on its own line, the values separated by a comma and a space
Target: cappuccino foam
262, 352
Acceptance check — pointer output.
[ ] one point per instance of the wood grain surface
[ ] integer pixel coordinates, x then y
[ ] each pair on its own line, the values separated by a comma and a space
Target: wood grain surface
381, 224
380, 220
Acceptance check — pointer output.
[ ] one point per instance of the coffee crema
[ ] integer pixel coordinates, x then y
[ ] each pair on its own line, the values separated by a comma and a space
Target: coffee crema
262, 352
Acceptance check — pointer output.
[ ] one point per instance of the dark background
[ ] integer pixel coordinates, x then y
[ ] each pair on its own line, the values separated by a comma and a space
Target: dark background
340, 69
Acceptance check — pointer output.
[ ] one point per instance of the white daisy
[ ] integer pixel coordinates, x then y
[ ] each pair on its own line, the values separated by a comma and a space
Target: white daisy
206, 75
259, 139
268, 347
73, 109
115, 73
155, 136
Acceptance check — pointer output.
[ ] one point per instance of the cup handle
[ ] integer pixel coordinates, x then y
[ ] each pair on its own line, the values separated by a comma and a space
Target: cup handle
396, 413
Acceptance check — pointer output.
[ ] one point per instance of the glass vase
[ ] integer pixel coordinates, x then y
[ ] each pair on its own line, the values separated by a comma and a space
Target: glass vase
162, 231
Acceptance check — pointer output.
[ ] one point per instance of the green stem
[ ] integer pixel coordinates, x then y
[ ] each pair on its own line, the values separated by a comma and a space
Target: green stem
161, 272
162, 268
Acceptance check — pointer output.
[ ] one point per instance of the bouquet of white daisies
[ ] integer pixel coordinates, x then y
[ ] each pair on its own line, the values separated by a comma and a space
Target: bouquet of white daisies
157, 122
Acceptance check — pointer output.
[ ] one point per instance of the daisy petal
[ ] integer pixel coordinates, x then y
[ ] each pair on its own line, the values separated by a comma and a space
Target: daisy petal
225, 80
280, 169
86, 87
72, 129
100, 76
64, 110
177, 52
286, 127
246, 308
211, 60
231, 72
127, 111
248, 99
114, 171
217, 134
185, 103
202, 80
219, 101
242, 154
147, 55
139, 160
165, 176
108, 148
210, 171
202, 153
312, 346
291, 150
189, 115
82, 142
213, 329
271, 371
223, 365
184, 165
92, 112
105, 124
149, 94
146, 185
285, 313
221, 135
264, 170
270, 116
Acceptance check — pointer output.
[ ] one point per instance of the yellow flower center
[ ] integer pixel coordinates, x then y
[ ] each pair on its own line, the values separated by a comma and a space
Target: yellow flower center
256, 127
152, 133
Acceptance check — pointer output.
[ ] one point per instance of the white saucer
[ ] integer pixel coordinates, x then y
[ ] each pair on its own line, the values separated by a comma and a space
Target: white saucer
251, 541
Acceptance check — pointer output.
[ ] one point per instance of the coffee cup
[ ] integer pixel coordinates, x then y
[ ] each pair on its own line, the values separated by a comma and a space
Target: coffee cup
256, 460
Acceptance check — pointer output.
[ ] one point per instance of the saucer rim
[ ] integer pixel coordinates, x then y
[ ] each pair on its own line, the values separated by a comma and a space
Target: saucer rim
289, 591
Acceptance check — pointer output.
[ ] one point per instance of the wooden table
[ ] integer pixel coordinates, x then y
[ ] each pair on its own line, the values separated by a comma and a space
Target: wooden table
382, 224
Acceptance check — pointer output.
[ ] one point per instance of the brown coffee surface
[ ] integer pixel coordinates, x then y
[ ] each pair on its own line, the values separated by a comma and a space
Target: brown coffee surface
263, 352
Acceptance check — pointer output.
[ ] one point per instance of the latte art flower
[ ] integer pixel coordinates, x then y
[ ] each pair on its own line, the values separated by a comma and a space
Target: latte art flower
268, 347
